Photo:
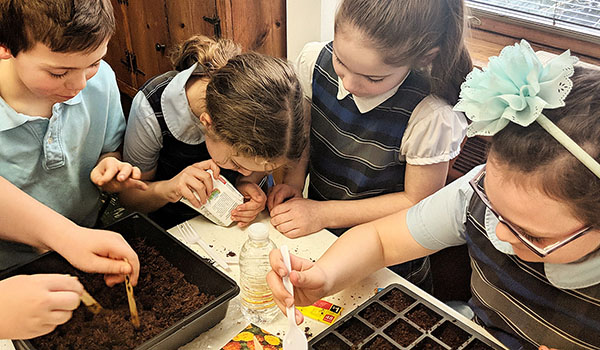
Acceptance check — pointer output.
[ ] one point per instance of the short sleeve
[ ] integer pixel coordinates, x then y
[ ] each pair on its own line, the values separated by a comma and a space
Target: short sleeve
438, 221
143, 138
115, 123
305, 65
434, 133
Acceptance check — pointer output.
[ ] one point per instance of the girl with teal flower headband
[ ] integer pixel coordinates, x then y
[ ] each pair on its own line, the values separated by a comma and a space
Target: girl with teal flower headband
529, 216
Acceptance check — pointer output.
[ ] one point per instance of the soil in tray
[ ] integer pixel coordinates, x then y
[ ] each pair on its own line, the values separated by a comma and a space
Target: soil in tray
423, 316
162, 295
379, 343
397, 300
402, 332
478, 345
451, 335
376, 314
354, 330
331, 342
428, 344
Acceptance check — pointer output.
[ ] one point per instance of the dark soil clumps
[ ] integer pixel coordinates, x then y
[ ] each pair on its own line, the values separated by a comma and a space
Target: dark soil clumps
162, 295
428, 344
478, 345
423, 317
402, 333
331, 342
377, 315
354, 330
397, 300
451, 334
379, 343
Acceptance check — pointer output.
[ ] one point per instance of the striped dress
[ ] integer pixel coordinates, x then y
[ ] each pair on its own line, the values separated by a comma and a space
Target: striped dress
354, 155
515, 301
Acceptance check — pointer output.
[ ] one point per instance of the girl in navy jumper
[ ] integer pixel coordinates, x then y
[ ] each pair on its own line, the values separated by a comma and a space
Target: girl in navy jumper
383, 131
220, 108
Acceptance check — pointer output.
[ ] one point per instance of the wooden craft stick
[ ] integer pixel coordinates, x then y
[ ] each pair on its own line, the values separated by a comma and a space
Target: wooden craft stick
135, 319
90, 302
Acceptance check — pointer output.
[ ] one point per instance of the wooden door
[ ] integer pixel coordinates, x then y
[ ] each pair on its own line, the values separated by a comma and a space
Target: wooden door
258, 25
191, 17
119, 49
149, 38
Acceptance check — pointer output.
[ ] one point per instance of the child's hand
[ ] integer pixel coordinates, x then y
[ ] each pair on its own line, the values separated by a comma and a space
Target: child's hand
280, 193
193, 179
308, 279
297, 217
246, 212
33, 305
544, 347
100, 251
113, 175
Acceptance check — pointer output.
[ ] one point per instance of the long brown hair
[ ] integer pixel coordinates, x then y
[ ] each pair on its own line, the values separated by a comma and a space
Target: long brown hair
535, 153
404, 31
62, 25
255, 101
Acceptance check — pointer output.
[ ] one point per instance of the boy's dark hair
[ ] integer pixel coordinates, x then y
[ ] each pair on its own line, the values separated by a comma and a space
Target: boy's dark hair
62, 25
404, 31
534, 152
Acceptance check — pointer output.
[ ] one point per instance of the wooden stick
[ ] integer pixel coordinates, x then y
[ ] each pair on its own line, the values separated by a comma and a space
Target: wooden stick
90, 302
135, 319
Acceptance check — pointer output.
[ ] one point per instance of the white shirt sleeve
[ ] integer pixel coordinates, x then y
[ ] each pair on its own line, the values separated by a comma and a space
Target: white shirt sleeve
439, 221
434, 133
143, 137
305, 65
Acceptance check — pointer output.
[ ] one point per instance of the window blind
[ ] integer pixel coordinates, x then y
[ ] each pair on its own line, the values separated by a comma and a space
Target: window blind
581, 16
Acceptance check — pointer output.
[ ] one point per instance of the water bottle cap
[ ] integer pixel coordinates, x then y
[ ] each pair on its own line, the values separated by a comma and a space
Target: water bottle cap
258, 231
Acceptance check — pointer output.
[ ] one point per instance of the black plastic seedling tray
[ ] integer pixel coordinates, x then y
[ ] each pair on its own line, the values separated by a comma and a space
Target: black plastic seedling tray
417, 324
196, 270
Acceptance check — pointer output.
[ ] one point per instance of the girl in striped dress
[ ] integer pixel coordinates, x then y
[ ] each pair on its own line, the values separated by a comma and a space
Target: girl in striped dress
383, 130
529, 216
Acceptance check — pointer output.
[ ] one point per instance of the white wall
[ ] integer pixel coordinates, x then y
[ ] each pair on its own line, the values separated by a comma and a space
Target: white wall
308, 20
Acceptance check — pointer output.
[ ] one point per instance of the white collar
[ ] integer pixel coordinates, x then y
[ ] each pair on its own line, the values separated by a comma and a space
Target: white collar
579, 274
180, 119
366, 104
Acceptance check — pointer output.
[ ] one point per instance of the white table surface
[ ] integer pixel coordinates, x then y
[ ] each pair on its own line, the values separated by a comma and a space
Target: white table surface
224, 240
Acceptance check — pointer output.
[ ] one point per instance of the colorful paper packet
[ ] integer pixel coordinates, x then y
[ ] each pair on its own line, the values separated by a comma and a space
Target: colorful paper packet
322, 311
245, 339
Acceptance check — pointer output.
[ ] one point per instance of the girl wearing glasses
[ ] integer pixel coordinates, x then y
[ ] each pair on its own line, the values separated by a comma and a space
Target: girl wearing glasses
529, 216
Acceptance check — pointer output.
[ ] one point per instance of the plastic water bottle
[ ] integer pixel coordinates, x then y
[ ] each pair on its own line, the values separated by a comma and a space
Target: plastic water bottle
257, 301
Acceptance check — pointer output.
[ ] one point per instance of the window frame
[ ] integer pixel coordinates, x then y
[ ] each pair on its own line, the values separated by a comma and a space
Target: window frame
485, 24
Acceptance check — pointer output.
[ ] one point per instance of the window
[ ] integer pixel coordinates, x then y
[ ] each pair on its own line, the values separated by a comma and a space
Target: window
560, 24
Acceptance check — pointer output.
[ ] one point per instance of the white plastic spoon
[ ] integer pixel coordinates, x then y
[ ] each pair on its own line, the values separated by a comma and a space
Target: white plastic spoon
294, 338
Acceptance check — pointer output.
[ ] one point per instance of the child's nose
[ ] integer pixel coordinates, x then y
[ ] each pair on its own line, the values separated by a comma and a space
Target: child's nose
350, 83
505, 234
77, 82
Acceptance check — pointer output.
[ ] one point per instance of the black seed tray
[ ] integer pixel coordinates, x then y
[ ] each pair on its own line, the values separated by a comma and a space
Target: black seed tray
397, 318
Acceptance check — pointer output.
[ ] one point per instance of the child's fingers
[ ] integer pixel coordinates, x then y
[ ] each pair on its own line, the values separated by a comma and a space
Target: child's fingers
196, 196
125, 171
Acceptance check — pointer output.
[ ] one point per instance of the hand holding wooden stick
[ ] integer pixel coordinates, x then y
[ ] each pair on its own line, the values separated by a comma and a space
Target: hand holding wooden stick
90, 302
135, 319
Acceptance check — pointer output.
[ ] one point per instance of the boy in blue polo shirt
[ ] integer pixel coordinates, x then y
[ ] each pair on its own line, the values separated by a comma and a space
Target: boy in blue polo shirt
60, 111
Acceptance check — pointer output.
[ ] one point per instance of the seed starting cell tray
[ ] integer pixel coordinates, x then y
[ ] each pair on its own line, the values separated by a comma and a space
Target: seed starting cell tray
397, 318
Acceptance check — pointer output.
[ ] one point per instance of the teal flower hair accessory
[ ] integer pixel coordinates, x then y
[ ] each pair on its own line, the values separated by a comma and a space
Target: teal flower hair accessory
516, 87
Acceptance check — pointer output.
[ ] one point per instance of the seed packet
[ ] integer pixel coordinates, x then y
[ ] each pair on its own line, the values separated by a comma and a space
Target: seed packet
245, 340
222, 200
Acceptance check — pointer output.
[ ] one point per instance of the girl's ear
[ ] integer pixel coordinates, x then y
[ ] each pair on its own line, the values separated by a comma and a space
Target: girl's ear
5, 53
429, 56
206, 120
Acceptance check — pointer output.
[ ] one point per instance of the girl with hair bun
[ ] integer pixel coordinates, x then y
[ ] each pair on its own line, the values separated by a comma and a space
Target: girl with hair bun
220, 108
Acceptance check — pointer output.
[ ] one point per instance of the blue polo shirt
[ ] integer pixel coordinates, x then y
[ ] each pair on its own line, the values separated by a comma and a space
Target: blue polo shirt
51, 158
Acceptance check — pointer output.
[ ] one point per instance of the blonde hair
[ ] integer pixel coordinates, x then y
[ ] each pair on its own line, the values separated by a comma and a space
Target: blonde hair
405, 31
255, 101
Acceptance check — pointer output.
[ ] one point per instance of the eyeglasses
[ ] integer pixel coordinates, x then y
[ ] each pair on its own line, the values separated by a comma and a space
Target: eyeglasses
541, 251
